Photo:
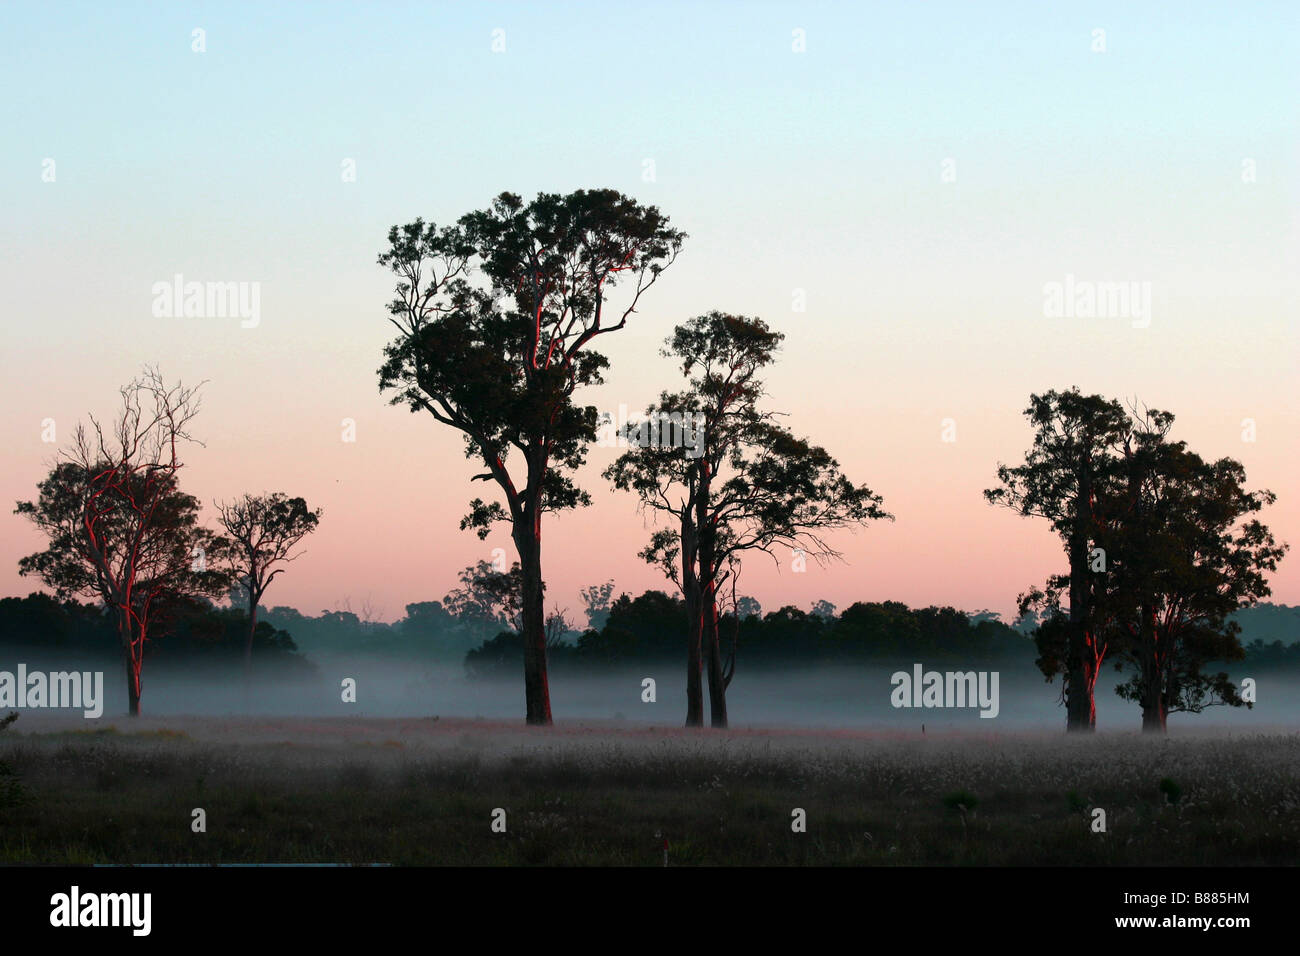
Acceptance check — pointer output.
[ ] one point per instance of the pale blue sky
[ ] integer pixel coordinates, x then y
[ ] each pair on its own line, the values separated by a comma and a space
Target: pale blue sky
818, 171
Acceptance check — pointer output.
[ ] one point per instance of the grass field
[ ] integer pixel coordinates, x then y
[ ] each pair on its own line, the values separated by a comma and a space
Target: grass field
423, 792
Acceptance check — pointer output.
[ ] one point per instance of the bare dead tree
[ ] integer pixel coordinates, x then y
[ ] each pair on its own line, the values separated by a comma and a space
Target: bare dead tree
118, 524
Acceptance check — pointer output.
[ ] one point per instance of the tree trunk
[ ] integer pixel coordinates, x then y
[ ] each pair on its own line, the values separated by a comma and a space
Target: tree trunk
694, 628
708, 587
1081, 678
248, 653
248, 644
132, 687
694, 663
717, 682
537, 695
133, 665
1154, 714
133, 668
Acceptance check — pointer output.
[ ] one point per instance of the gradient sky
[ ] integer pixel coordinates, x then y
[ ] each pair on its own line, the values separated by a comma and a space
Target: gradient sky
819, 171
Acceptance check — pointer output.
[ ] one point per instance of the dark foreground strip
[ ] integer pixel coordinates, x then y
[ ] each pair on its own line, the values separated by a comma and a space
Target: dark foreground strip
613, 908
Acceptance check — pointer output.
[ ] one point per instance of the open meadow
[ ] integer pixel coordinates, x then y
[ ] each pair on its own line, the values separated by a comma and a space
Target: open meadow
424, 791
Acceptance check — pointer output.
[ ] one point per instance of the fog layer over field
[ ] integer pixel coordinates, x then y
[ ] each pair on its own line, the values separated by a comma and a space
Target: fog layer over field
843, 696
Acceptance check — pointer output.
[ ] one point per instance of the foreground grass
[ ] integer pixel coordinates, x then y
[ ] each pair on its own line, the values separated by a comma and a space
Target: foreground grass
412, 792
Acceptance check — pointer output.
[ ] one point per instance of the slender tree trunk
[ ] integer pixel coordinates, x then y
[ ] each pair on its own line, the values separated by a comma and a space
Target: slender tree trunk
132, 691
132, 686
248, 643
248, 651
694, 627
133, 665
694, 661
694, 671
717, 682
1081, 679
708, 580
537, 695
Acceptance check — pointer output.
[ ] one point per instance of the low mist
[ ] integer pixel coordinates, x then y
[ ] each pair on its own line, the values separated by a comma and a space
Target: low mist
845, 697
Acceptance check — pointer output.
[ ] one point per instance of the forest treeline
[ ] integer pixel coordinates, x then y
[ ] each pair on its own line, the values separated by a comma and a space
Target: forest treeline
629, 630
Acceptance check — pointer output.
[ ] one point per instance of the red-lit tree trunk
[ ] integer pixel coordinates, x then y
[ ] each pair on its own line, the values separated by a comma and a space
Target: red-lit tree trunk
121, 592
133, 668
120, 528
132, 659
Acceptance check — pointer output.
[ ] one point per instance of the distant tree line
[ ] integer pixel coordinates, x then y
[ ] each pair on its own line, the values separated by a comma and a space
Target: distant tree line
623, 631
648, 628
197, 634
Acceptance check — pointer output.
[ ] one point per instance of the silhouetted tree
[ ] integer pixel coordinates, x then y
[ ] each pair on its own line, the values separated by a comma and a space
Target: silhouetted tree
596, 599
1184, 555
721, 355
261, 533
1073, 461
430, 626
824, 609
743, 484
487, 598
500, 358
118, 525
646, 628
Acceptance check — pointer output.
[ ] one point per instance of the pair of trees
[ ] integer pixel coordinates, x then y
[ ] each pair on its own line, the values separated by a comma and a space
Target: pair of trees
497, 316
1162, 547
120, 529
747, 484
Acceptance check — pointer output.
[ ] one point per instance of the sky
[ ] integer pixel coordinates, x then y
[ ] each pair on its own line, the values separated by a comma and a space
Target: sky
895, 187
